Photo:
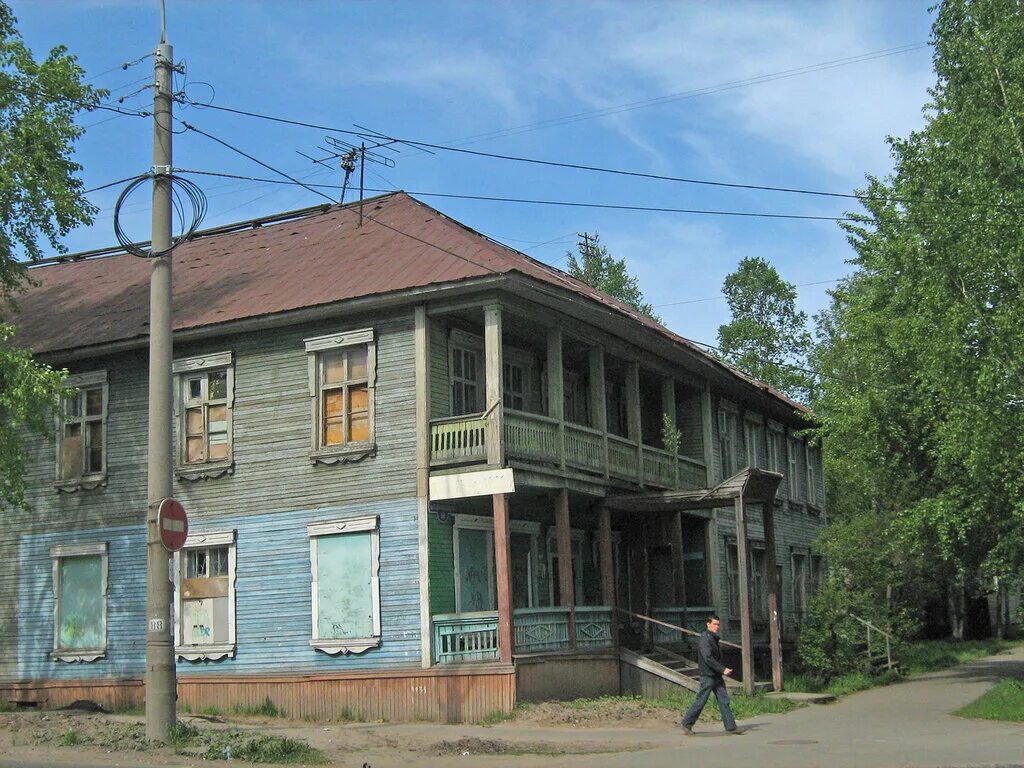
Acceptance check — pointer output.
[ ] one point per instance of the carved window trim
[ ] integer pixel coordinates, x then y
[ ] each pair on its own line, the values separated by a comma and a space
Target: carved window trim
81, 382
184, 370
206, 651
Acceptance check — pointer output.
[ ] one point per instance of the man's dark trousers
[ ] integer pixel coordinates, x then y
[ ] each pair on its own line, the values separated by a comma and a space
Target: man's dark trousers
707, 685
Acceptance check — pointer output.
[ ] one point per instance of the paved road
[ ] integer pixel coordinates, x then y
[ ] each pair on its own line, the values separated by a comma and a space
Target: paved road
907, 725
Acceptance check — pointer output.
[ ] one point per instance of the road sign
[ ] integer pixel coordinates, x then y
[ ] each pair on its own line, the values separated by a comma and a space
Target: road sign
172, 522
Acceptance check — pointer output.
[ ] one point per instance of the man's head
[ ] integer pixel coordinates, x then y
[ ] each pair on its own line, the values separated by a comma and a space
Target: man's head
714, 623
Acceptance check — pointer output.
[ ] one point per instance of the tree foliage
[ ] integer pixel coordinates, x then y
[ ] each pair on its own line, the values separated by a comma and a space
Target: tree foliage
40, 201
767, 336
922, 349
596, 267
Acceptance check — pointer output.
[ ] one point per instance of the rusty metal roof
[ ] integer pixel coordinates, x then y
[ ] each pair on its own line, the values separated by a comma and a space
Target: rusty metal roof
311, 258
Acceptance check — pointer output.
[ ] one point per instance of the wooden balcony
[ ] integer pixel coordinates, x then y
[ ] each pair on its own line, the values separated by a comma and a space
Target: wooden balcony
541, 440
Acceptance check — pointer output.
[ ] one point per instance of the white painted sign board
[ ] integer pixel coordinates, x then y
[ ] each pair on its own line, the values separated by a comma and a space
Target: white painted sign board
483, 483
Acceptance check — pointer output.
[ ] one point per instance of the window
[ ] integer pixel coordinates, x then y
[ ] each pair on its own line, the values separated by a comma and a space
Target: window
204, 596
473, 554
345, 563
79, 602
576, 397
753, 438
514, 384
204, 397
758, 581
813, 457
82, 435
465, 381
776, 449
341, 389
795, 449
817, 575
615, 408
732, 568
727, 429
799, 584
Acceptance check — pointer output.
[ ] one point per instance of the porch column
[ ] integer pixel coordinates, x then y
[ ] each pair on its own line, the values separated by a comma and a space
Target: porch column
743, 565
604, 545
633, 416
493, 372
503, 576
566, 587
422, 341
598, 404
768, 517
675, 530
556, 388
645, 582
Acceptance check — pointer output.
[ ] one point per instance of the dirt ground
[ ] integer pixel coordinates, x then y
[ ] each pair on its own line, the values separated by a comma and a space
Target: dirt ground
67, 736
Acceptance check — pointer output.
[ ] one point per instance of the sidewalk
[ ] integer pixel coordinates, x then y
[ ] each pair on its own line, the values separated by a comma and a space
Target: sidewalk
907, 725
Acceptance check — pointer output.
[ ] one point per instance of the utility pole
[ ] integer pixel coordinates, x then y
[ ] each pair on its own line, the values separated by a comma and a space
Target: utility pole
161, 683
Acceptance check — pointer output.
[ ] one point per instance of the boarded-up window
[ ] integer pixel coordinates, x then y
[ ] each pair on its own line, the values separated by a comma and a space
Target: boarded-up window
345, 558
205, 596
80, 599
205, 387
341, 386
82, 449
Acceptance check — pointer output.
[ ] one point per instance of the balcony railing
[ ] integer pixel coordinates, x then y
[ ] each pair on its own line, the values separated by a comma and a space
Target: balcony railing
542, 440
465, 637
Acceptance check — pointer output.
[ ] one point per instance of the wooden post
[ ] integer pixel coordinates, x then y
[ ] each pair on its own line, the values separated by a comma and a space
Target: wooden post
675, 532
422, 336
645, 583
743, 565
598, 397
635, 428
556, 388
503, 576
566, 587
604, 545
775, 631
493, 372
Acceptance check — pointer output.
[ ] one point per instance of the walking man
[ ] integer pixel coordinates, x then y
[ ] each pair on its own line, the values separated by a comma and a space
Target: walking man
709, 660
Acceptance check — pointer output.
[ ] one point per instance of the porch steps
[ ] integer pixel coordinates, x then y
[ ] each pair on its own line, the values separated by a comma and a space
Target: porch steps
670, 666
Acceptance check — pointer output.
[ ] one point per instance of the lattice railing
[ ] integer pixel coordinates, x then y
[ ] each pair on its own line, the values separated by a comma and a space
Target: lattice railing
540, 629
593, 626
462, 637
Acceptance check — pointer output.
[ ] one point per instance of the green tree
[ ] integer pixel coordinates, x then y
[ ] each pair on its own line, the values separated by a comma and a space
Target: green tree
596, 267
40, 201
767, 336
922, 349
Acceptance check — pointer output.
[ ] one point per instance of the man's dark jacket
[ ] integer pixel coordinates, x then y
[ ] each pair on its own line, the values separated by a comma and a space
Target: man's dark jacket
709, 655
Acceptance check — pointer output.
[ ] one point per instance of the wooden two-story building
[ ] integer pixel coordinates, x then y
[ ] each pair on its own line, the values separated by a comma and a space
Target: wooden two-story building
426, 476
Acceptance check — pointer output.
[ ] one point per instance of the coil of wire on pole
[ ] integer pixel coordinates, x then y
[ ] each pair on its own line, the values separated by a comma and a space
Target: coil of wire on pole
179, 186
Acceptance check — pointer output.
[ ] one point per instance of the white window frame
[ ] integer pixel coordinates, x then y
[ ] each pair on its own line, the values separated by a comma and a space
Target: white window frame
57, 554
184, 370
208, 651
87, 480
776, 445
331, 645
351, 451
478, 523
811, 454
754, 440
792, 446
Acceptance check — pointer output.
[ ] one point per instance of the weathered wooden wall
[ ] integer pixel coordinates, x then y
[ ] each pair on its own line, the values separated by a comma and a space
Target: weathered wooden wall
554, 678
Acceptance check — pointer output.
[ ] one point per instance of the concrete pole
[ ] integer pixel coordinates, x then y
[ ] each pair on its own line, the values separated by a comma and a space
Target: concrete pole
160, 674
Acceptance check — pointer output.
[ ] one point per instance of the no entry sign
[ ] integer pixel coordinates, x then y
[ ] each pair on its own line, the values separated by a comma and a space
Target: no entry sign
173, 524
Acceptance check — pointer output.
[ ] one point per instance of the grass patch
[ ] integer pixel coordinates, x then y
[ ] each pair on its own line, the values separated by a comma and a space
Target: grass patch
1004, 701
840, 686
930, 655
129, 709
6, 706
69, 739
266, 709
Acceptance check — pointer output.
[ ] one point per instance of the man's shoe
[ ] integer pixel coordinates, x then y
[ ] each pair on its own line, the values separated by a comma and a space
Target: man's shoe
736, 732
687, 730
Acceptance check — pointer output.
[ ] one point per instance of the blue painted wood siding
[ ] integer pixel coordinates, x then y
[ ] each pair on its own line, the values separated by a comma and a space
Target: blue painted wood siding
272, 592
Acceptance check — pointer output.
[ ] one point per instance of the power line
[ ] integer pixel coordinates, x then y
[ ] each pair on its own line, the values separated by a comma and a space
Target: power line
722, 295
125, 65
190, 127
600, 169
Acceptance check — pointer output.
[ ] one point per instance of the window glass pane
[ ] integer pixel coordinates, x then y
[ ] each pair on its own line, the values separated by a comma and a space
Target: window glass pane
73, 406
357, 363
194, 421
94, 401
334, 402
195, 389
71, 451
196, 564
359, 427
333, 364
345, 601
218, 383
219, 561
81, 602
360, 400
457, 363
218, 418
474, 577
95, 453
218, 447
333, 431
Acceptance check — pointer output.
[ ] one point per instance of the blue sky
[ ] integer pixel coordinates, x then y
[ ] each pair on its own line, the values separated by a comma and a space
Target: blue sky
505, 77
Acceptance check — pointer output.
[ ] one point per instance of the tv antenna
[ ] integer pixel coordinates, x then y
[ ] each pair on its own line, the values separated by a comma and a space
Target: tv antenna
350, 156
